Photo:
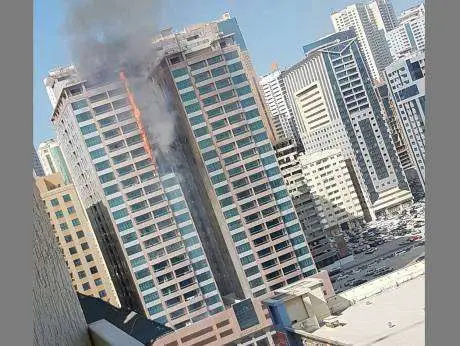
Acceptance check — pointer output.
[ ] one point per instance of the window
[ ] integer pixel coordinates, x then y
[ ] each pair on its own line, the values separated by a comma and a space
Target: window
218, 71
188, 96
80, 234
198, 65
227, 95
184, 84
97, 153
213, 167
253, 113
223, 136
89, 258
223, 83
75, 222
202, 76
239, 79
192, 108
235, 67
243, 90
79, 104
100, 166
59, 214
226, 202
85, 246
146, 285
86, 286
231, 55
134, 139
218, 178
231, 107
215, 60
248, 102
111, 133
71, 210
210, 100
88, 129
106, 121
105, 178
102, 109
179, 72
124, 116
209, 155
83, 116
196, 120
205, 143
215, 112
116, 201
256, 125
68, 238
72, 250
66, 198
77, 262
201, 131
109, 190
54, 202
81, 274
102, 294
222, 190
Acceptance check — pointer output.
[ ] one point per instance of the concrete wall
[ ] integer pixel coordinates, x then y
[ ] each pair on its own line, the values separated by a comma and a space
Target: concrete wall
57, 315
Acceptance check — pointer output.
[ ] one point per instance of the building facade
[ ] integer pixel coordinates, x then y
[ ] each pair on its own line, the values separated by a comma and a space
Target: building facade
245, 323
141, 219
57, 315
406, 82
37, 165
76, 239
409, 35
369, 33
336, 107
274, 93
383, 14
204, 72
52, 160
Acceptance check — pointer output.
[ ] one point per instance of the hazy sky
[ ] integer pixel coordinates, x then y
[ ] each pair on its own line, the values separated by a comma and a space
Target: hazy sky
274, 31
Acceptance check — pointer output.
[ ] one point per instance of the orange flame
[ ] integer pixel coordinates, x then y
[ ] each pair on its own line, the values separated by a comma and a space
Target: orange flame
137, 114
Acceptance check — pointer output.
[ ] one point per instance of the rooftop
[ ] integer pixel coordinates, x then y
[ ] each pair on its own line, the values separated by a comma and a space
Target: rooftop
367, 321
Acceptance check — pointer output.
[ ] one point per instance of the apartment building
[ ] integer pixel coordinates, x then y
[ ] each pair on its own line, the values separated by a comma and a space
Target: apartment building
336, 107
52, 159
76, 239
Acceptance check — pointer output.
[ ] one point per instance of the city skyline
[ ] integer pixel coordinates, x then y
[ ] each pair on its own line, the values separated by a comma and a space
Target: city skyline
287, 37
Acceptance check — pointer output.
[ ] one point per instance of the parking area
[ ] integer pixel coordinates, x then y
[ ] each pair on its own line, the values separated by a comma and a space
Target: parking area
382, 246
383, 261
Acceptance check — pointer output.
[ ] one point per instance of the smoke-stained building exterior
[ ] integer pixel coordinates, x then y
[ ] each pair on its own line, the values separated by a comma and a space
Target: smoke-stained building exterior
336, 107
204, 74
140, 217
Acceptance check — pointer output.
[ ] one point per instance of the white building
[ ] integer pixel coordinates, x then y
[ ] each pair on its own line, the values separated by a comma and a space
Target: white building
53, 161
383, 14
141, 219
369, 32
409, 35
274, 93
406, 80
336, 107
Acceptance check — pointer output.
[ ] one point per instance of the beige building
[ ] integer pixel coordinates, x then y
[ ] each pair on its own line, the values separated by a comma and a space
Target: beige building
245, 323
327, 175
76, 239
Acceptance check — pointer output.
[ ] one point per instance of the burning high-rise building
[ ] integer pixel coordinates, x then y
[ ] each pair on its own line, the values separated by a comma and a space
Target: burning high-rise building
140, 216
204, 72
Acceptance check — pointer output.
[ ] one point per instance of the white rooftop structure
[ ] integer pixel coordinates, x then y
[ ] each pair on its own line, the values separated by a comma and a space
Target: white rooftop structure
394, 317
